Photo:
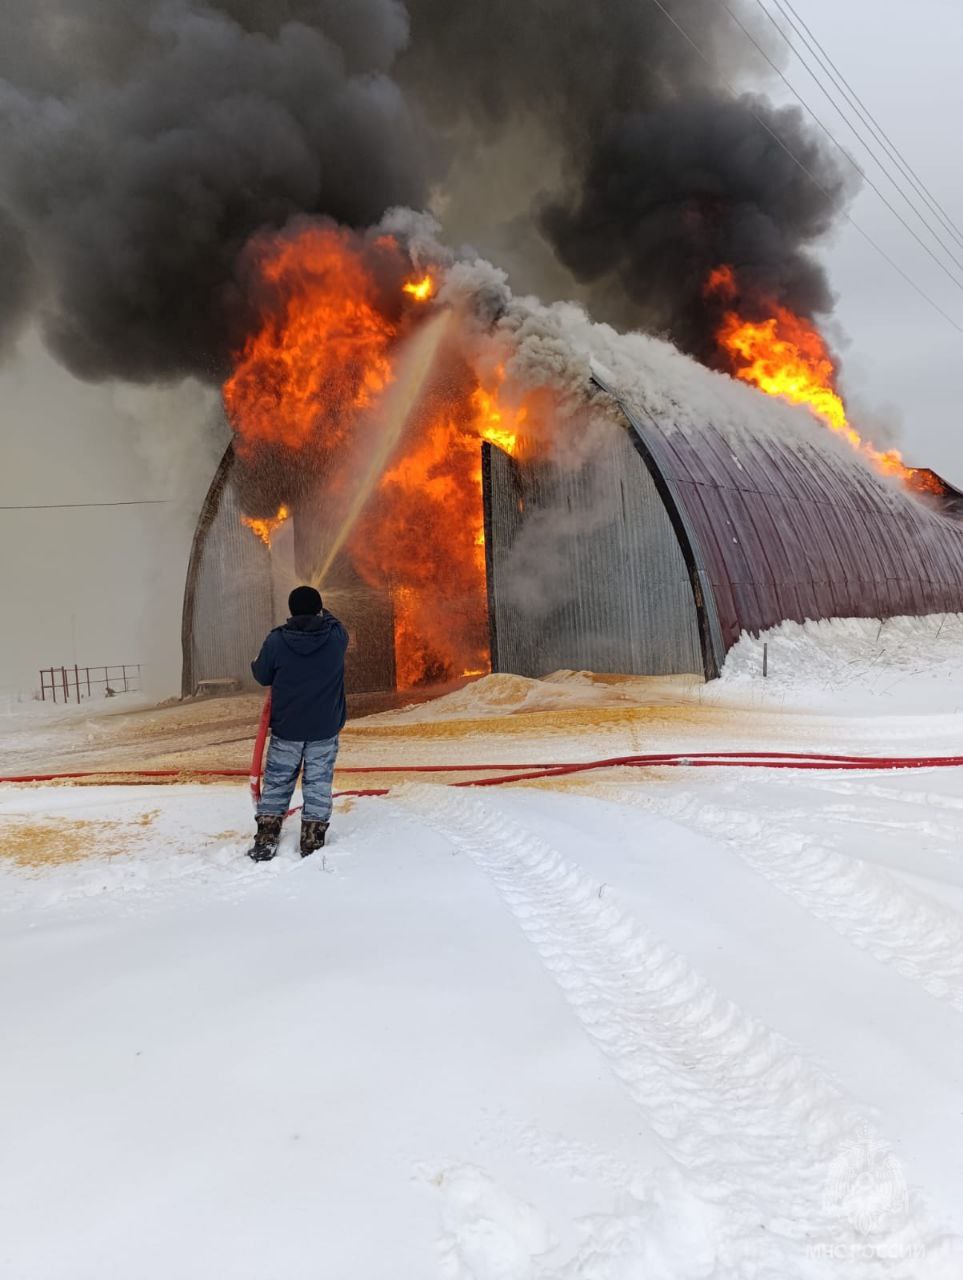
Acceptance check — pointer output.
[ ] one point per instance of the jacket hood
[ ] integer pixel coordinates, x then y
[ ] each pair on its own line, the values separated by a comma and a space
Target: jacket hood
308, 633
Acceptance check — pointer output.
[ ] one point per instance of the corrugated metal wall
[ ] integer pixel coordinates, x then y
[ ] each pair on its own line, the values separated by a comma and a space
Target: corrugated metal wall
233, 608
237, 590
585, 571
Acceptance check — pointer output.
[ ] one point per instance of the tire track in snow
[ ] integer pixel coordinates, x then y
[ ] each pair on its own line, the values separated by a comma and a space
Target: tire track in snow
916, 812
867, 905
932, 814
757, 1129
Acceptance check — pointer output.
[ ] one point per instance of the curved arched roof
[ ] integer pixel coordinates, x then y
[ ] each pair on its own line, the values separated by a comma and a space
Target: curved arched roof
776, 516
791, 524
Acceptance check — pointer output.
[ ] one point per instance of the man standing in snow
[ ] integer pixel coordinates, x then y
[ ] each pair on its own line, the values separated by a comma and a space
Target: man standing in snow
303, 662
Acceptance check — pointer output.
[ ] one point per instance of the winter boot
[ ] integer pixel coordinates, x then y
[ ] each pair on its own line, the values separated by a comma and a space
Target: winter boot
268, 837
313, 831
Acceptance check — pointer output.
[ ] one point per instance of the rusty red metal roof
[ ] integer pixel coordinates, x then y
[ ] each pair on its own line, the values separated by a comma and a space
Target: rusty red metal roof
796, 526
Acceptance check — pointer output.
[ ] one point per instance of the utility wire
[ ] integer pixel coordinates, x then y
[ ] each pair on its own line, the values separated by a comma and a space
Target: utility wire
866, 115
60, 506
839, 146
857, 135
809, 174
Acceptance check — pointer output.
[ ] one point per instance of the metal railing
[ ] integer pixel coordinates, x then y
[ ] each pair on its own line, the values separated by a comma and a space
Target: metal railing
74, 684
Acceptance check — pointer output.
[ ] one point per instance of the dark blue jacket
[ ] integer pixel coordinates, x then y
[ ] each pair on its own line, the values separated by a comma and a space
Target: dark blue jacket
303, 662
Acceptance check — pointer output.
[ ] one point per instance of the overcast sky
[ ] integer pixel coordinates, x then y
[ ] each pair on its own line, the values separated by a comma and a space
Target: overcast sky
105, 586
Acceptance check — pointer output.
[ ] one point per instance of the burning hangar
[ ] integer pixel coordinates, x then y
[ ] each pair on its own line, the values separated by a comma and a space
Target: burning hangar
685, 525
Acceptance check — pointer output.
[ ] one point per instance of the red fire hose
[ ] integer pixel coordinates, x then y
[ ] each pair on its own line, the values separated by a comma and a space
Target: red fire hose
691, 760
507, 773
257, 760
531, 771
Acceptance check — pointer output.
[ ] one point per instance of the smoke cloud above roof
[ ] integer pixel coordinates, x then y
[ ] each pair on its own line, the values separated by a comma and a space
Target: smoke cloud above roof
142, 142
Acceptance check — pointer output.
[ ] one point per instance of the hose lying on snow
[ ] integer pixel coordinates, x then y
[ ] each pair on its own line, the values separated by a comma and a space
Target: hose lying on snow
507, 773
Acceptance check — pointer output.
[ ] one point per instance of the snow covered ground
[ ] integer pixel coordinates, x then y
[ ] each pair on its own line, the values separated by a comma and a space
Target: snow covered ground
628, 1025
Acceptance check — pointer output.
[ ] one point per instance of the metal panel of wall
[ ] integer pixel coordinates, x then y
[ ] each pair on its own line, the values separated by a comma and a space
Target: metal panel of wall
585, 570
237, 590
798, 528
233, 607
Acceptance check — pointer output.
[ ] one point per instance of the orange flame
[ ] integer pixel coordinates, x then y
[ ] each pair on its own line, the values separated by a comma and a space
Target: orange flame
421, 290
786, 356
321, 356
267, 527
427, 533
496, 424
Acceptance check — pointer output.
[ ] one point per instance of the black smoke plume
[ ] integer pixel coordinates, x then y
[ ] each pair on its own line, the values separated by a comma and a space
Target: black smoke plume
138, 159
143, 142
15, 277
664, 172
669, 195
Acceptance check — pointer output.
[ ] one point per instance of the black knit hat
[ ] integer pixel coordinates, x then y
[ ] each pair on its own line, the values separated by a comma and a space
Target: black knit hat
304, 600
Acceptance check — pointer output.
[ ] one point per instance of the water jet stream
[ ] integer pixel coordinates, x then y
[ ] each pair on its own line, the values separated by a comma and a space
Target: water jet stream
399, 403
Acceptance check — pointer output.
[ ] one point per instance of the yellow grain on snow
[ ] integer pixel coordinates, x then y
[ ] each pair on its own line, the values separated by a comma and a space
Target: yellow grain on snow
47, 842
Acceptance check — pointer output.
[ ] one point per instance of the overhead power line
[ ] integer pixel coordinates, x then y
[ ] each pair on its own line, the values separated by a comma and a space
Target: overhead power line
809, 174
61, 506
872, 123
839, 146
859, 138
